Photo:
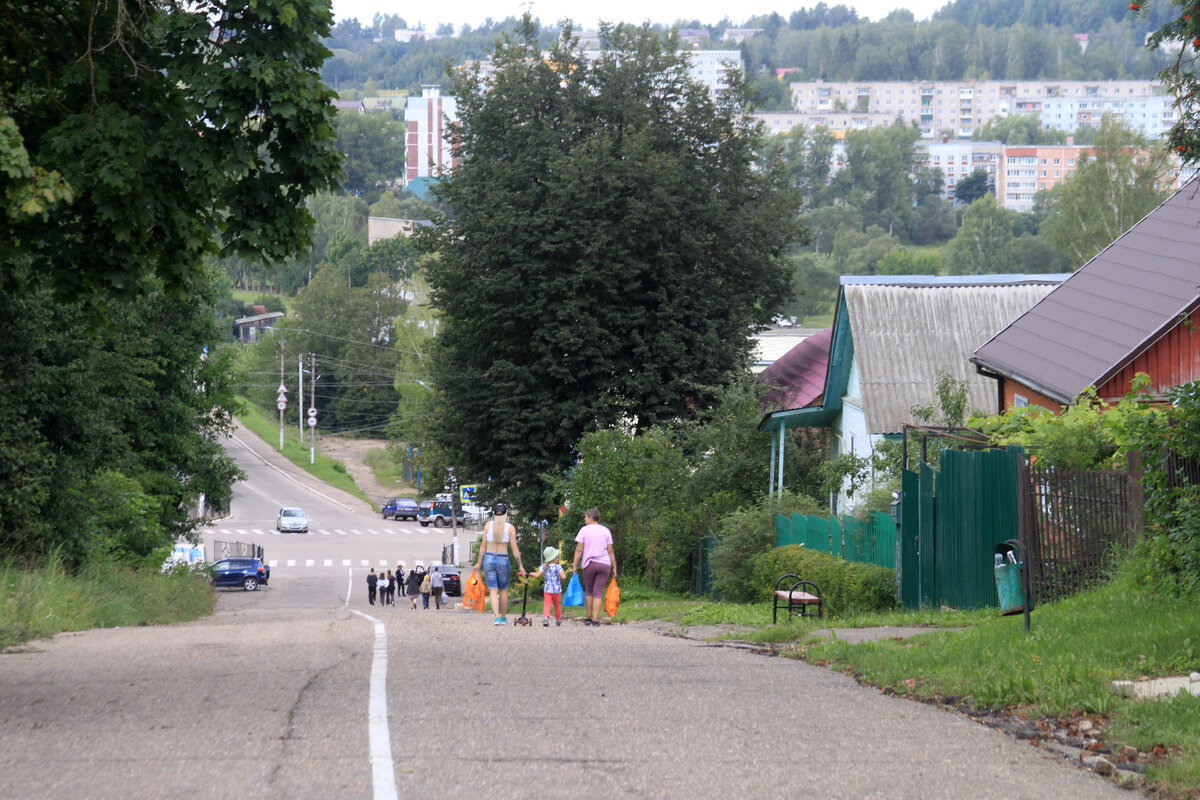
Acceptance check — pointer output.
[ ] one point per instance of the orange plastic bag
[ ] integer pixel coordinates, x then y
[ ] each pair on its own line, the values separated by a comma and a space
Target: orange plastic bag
475, 595
612, 598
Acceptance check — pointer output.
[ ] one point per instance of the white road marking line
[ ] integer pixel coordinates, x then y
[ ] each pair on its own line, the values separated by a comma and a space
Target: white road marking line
240, 530
272, 563
365, 562
383, 562
345, 562
329, 562
308, 562
357, 532
379, 737
289, 477
260, 533
292, 562
326, 533
340, 532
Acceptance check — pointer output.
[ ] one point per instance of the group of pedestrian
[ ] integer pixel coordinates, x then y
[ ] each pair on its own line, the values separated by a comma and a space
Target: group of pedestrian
384, 585
593, 553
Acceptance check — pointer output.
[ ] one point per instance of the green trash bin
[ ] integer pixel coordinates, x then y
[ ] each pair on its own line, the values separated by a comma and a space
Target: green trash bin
1008, 580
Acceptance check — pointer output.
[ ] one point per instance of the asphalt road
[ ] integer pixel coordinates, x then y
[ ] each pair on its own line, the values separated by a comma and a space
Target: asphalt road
299, 691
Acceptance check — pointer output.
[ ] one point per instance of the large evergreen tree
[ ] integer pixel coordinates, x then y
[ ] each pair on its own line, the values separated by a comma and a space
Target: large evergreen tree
612, 246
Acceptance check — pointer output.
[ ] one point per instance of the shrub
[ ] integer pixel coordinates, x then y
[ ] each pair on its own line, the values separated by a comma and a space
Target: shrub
744, 534
846, 586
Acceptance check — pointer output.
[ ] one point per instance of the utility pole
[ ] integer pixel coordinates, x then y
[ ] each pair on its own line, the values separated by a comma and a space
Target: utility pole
281, 400
312, 409
300, 394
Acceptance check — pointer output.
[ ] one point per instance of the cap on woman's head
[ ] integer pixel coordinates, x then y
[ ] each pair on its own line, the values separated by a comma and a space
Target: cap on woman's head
499, 509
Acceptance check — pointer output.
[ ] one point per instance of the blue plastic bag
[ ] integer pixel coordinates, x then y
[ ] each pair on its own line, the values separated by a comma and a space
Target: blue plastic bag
574, 594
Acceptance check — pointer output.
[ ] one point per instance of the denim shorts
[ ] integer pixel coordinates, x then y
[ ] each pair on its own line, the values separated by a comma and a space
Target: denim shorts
495, 570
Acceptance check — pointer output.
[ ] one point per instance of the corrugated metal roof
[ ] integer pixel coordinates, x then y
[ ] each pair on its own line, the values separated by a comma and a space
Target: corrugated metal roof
904, 334
1111, 310
799, 374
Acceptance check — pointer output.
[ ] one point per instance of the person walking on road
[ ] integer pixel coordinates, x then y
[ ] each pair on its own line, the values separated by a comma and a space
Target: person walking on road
400, 577
498, 537
425, 589
435, 587
413, 585
596, 551
382, 583
372, 582
552, 588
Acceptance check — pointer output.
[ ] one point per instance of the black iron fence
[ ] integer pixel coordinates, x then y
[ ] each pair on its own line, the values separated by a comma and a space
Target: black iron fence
1072, 524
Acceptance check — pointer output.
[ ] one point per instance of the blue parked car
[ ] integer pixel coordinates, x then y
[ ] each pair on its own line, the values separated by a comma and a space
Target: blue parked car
400, 508
248, 573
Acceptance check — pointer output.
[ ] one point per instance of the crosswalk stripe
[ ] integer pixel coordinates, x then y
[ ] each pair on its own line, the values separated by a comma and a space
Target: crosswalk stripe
357, 532
291, 562
272, 563
340, 532
345, 562
329, 562
308, 562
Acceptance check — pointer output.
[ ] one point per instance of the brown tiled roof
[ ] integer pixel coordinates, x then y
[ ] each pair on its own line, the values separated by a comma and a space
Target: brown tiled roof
1109, 311
799, 375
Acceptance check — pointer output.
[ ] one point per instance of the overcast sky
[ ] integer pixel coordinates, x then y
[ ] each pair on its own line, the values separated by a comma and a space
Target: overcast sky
586, 14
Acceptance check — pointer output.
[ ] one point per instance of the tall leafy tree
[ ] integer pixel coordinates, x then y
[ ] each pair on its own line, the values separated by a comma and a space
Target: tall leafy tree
1108, 193
983, 245
374, 148
612, 247
176, 127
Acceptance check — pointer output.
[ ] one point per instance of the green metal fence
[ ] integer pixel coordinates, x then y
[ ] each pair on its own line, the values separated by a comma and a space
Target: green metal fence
952, 520
872, 542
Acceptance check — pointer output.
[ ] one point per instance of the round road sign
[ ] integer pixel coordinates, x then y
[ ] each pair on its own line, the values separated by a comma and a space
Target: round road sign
312, 422
312, 412
281, 405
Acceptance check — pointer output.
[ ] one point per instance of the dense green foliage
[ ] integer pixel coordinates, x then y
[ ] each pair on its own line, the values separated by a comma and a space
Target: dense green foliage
108, 436
136, 139
1168, 441
846, 586
176, 128
612, 246
374, 148
666, 490
1108, 193
746, 533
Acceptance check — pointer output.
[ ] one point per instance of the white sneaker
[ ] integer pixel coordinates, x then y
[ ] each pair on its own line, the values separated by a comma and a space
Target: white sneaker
545, 622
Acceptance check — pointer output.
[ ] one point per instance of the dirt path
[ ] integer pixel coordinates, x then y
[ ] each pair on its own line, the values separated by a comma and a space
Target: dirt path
353, 453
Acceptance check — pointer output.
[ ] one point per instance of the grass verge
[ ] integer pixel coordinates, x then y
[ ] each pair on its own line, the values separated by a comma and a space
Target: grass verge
330, 470
41, 602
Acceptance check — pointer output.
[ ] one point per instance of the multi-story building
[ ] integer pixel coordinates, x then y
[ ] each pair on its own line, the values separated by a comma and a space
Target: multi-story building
1027, 170
428, 153
957, 160
957, 107
1152, 116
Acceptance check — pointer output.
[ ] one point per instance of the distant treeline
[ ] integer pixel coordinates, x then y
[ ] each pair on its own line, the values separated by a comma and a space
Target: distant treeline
966, 39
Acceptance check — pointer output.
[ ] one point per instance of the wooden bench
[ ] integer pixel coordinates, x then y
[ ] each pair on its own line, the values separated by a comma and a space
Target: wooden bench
796, 595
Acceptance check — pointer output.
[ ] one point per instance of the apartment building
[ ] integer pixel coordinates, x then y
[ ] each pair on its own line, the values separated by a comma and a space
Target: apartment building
960, 107
958, 159
1025, 171
1152, 116
427, 151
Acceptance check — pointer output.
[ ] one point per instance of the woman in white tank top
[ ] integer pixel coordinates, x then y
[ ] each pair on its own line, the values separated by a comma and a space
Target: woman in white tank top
499, 536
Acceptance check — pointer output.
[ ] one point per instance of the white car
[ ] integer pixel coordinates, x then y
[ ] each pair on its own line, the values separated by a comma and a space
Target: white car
291, 520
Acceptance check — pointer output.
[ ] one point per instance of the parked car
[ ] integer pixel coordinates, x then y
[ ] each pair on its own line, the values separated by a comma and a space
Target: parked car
451, 580
475, 514
291, 520
401, 508
249, 573
437, 512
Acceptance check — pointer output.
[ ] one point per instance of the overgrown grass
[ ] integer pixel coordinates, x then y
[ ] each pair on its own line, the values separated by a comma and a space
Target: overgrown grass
388, 471
251, 298
40, 602
330, 470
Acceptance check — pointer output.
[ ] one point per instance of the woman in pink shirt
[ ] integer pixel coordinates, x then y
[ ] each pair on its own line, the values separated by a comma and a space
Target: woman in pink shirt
595, 550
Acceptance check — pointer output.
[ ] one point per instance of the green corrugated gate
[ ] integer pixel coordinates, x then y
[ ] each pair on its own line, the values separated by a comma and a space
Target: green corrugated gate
953, 519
